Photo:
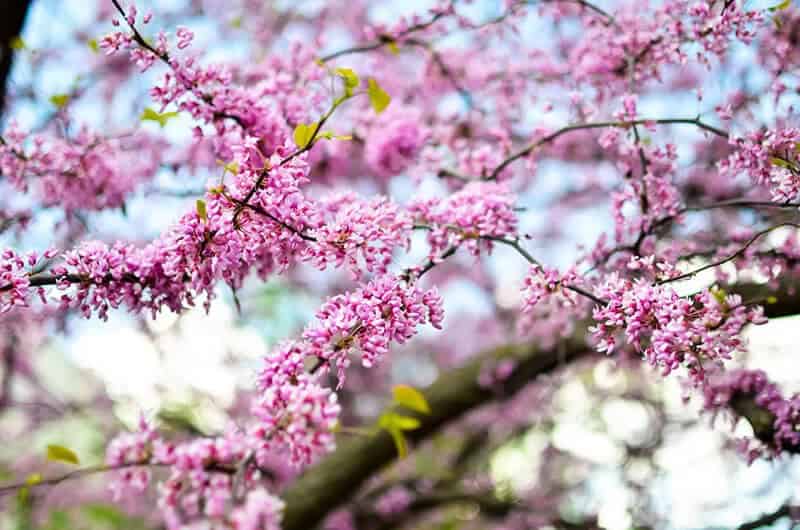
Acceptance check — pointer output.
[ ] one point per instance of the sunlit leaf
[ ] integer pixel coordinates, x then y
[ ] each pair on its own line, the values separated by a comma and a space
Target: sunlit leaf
399, 442
93, 45
780, 7
350, 79
780, 162
17, 43
411, 398
391, 420
202, 212
304, 133
377, 96
330, 135
59, 453
59, 100
159, 117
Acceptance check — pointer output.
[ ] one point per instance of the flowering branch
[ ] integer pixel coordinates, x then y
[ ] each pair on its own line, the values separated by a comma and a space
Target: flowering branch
738, 253
600, 125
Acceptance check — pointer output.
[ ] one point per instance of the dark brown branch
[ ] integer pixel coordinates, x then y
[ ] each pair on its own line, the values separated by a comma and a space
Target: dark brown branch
334, 480
768, 519
382, 41
525, 151
737, 254
11, 23
53, 481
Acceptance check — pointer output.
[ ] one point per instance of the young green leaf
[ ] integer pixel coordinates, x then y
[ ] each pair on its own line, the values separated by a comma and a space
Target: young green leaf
780, 7
406, 423
60, 453
232, 166
202, 212
59, 100
780, 162
17, 43
392, 420
410, 398
399, 442
93, 45
377, 96
393, 47
159, 117
350, 79
303, 134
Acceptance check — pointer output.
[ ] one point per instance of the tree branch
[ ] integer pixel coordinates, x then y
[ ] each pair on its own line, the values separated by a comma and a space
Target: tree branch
336, 478
768, 519
333, 481
11, 24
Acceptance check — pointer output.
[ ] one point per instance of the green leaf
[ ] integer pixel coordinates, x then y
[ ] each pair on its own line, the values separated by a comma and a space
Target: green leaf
391, 420
17, 43
719, 294
232, 166
399, 442
93, 45
395, 424
60, 453
393, 47
410, 398
780, 7
350, 79
303, 134
59, 100
777, 161
377, 96
406, 423
33, 479
330, 135
202, 212
159, 117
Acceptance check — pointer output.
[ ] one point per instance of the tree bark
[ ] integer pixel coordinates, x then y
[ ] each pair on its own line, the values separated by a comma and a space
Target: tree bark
333, 481
11, 23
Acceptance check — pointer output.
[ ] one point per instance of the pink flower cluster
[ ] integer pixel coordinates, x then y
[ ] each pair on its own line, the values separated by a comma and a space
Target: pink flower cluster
84, 172
639, 44
207, 92
669, 330
15, 284
297, 414
770, 158
394, 140
211, 479
394, 501
472, 216
367, 320
360, 231
261, 511
131, 452
735, 390
541, 283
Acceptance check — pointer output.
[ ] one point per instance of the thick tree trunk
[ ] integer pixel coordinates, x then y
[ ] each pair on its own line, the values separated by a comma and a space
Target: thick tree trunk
12, 19
334, 480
